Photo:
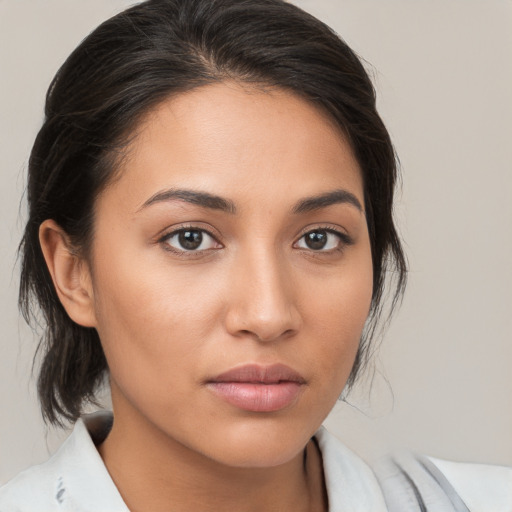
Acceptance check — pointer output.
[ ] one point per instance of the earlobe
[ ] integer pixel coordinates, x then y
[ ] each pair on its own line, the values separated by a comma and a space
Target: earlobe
70, 274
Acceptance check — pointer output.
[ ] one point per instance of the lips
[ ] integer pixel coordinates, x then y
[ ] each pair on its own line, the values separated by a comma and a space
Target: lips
258, 388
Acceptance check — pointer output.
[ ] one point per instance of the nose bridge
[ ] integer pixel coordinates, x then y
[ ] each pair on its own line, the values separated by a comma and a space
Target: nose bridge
263, 301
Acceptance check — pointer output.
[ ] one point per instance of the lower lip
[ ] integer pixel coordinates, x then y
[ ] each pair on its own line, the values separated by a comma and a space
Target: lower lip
257, 397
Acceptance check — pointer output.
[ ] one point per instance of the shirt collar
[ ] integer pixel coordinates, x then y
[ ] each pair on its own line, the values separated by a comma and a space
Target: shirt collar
351, 484
84, 483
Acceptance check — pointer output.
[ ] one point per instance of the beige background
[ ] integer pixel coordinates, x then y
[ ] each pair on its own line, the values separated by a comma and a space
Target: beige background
444, 76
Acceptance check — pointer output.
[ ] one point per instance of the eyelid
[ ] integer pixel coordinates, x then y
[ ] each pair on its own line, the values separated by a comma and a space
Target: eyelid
191, 225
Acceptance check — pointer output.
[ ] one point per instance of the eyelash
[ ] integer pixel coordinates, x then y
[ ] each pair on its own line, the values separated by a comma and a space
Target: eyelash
344, 241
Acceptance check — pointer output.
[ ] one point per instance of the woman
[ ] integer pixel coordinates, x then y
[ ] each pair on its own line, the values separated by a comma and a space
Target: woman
211, 223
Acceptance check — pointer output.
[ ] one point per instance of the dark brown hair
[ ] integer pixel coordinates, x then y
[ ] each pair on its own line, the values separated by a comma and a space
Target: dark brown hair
121, 71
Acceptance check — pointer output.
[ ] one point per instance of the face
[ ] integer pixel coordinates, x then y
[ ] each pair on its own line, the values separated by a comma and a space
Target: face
231, 273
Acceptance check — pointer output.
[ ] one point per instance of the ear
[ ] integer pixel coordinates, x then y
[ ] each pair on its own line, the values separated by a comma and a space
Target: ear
70, 274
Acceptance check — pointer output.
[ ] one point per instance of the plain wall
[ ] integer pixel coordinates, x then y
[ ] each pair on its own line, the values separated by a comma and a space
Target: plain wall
443, 72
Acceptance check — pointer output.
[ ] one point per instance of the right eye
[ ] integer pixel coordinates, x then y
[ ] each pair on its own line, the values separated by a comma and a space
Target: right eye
190, 240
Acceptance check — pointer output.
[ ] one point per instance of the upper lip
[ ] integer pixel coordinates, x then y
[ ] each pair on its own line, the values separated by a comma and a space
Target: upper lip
254, 373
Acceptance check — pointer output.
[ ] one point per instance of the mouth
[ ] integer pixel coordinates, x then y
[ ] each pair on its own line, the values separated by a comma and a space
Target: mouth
258, 388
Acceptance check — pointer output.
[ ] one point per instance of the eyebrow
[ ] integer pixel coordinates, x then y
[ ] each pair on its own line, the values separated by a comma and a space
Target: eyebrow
338, 196
214, 202
203, 199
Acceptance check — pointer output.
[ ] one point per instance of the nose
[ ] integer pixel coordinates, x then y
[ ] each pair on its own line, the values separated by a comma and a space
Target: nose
262, 299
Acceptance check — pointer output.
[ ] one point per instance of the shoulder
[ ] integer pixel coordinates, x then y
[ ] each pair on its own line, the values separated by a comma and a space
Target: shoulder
73, 480
35, 489
414, 479
482, 487
402, 481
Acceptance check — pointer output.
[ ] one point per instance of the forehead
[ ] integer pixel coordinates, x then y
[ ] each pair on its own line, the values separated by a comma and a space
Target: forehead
237, 141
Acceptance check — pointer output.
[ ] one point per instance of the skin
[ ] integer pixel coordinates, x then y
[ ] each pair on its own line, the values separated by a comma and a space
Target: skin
255, 292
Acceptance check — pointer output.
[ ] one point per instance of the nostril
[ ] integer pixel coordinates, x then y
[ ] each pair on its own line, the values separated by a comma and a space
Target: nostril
267, 337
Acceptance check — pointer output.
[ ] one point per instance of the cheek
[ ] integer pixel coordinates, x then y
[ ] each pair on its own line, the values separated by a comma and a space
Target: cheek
338, 311
152, 322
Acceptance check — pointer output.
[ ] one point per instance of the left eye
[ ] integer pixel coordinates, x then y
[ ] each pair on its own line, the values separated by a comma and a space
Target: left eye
191, 240
319, 240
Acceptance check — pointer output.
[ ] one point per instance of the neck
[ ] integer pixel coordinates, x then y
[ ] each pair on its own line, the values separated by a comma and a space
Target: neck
152, 470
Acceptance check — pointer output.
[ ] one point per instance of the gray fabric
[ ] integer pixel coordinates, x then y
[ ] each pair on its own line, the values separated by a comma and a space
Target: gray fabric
414, 484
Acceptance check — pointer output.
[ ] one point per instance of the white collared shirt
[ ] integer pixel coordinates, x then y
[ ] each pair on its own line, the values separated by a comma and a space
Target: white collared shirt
75, 479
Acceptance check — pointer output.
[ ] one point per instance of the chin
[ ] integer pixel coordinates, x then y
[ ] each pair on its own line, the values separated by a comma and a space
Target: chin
257, 457
260, 445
